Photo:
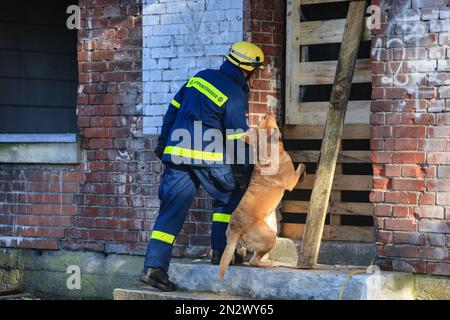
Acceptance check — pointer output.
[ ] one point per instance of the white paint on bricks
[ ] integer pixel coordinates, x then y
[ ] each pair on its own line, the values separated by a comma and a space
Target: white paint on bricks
181, 38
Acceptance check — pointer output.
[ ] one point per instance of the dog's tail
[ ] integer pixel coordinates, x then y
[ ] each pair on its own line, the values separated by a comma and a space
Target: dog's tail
227, 256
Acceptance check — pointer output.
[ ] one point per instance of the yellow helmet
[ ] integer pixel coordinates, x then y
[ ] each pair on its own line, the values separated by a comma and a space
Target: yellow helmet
246, 56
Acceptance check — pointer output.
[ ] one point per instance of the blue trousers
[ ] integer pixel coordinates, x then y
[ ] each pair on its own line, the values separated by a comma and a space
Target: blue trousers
177, 189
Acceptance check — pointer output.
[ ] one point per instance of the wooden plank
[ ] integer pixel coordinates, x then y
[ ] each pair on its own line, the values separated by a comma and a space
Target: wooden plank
322, 72
340, 208
340, 182
309, 250
310, 156
292, 53
315, 113
325, 31
334, 233
351, 131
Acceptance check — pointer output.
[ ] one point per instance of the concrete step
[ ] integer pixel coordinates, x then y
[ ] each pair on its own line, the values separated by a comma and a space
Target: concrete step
324, 283
20, 296
331, 252
149, 293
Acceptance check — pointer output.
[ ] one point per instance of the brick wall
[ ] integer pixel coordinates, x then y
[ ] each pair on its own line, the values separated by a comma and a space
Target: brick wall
180, 39
107, 203
410, 135
265, 25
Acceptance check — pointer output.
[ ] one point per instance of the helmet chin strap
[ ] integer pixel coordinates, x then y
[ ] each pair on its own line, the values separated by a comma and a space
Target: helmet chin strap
248, 78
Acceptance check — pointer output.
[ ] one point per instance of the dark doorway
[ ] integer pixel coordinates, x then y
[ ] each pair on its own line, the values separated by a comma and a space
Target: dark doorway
38, 68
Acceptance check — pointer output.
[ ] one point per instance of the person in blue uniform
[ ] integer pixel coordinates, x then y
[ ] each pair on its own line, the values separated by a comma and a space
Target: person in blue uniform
205, 110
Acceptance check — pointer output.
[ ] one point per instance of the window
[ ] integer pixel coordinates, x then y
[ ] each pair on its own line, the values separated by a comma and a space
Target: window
38, 68
38, 73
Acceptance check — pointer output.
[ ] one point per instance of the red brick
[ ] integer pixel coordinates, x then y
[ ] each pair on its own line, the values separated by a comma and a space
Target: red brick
400, 224
383, 210
438, 268
380, 183
440, 158
434, 226
408, 157
429, 212
406, 265
393, 171
402, 212
436, 240
40, 232
385, 237
414, 238
434, 253
410, 132
408, 184
443, 198
403, 251
427, 198
413, 171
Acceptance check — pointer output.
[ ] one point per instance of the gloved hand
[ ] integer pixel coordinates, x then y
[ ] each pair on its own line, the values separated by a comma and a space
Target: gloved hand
159, 150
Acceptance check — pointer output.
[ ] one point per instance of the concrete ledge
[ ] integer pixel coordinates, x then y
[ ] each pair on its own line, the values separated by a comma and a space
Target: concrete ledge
51, 153
286, 283
146, 293
331, 252
44, 274
432, 287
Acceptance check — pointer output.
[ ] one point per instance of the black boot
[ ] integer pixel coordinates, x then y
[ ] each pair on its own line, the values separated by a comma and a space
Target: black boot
157, 278
215, 256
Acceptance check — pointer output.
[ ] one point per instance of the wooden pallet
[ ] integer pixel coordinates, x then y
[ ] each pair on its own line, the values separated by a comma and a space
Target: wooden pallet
305, 121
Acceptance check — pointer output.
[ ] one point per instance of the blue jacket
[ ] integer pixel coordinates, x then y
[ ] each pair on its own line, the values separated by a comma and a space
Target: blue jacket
217, 98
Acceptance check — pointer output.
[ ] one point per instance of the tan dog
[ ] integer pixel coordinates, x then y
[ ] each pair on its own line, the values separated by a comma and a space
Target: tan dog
248, 225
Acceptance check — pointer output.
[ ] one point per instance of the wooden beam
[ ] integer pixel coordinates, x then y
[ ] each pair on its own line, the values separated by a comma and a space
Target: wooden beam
340, 182
341, 208
292, 52
334, 128
311, 156
334, 233
322, 72
351, 131
315, 113
325, 31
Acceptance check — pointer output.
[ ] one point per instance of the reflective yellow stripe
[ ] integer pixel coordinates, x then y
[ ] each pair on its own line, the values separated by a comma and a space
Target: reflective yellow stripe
236, 136
194, 154
175, 103
162, 236
208, 90
221, 217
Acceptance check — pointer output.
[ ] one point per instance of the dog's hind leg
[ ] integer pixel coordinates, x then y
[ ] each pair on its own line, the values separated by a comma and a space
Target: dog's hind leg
263, 240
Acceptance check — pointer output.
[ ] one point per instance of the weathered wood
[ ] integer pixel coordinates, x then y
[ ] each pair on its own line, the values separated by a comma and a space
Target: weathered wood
322, 72
340, 208
314, 227
315, 113
340, 182
292, 52
343, 157
351, 131
326, 31
334, 233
